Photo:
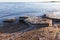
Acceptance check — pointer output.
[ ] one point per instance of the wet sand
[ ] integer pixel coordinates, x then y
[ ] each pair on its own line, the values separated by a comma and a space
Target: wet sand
10, 31
10, 27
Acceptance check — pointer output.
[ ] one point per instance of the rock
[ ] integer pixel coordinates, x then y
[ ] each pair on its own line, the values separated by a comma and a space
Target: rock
10, 20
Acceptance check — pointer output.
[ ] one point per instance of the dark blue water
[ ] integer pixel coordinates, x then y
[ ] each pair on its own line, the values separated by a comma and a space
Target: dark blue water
16, 9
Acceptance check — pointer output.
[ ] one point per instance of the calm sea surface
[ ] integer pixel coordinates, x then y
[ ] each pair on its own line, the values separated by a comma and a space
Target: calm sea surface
16, 9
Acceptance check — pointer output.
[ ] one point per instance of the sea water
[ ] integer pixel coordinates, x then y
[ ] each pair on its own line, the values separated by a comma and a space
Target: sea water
17, 9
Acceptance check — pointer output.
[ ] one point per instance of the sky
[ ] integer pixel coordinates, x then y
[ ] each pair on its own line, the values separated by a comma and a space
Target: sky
26, 0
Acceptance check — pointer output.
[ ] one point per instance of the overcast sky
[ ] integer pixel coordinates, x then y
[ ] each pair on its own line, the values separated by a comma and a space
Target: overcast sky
26, 0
